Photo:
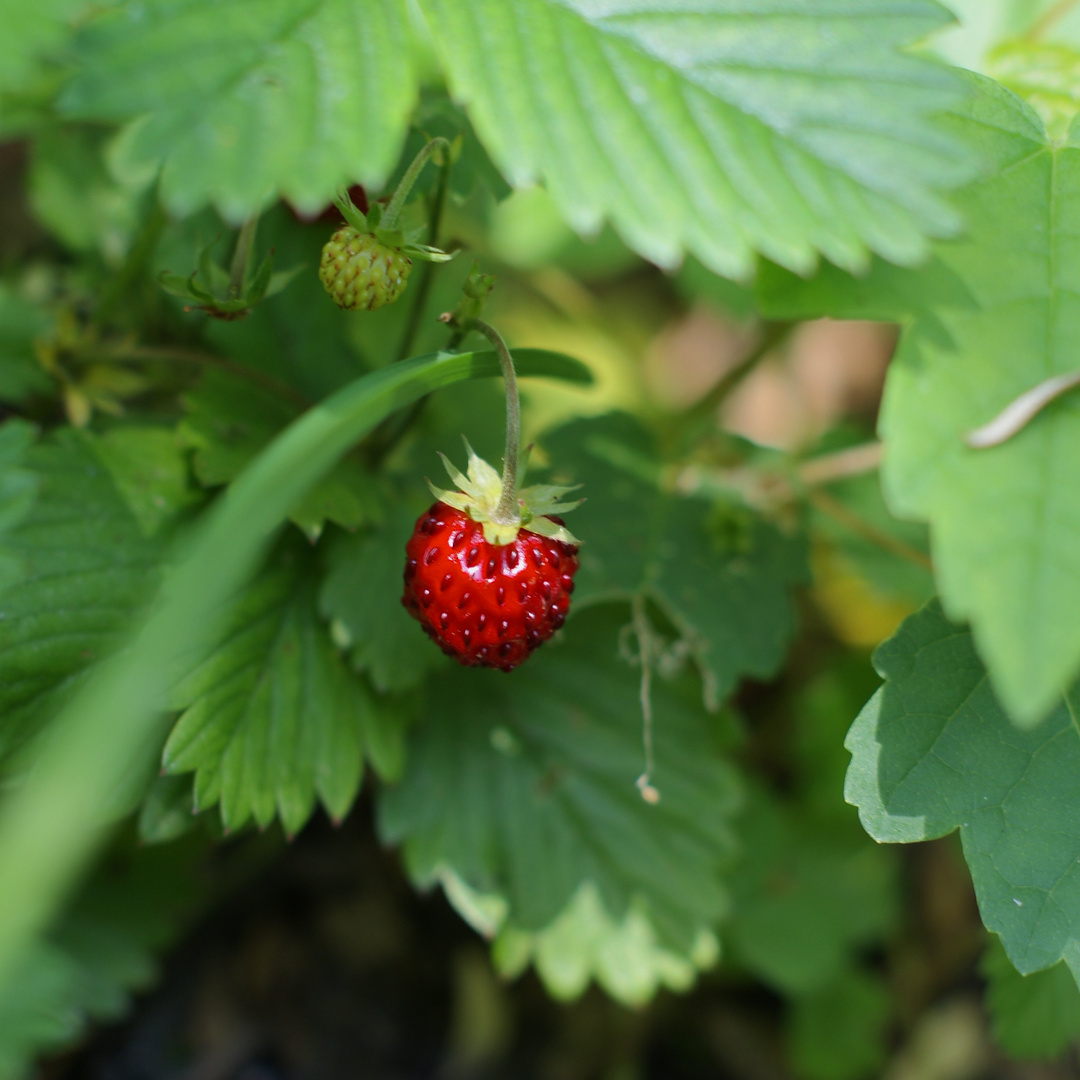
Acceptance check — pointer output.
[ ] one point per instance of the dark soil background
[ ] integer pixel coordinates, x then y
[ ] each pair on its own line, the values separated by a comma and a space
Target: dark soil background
326, 965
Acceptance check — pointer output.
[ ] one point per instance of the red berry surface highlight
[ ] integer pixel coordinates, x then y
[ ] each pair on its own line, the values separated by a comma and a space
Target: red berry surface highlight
486, 604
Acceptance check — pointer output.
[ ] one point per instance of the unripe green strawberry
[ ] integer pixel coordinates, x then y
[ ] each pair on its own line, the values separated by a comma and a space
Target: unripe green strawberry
360, 272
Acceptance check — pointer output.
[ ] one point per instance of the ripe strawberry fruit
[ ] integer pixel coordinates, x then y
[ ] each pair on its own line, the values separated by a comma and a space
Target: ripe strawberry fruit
360, 272
489, 593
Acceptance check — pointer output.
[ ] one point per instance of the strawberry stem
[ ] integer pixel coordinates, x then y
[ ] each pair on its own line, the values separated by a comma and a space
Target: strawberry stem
506, 513
401, 193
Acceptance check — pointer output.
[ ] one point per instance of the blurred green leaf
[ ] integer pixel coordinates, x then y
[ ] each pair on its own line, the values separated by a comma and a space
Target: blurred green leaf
21, 376
584, 943
993, 316
30, 31
805, 897
272, 719
838, 1031
74, 196
101, 952
720, 574
524, 787
207, 80
713, 129
1033, 1016
934, 751
1045, 74
18, 489
88, 567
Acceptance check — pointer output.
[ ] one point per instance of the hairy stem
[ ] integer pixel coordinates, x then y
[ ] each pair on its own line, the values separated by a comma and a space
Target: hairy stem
241, 257
401, 193
506, 513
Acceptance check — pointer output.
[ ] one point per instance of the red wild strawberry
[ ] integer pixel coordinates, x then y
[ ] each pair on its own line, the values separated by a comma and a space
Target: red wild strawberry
490, 592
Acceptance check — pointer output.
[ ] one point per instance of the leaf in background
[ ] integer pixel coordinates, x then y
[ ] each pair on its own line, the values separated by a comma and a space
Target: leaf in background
805, 897
934, 751
21, 376
229, 420
101, 952
88, 567
524, 787
721, 575
1045, 74
149, 472
75, 198
1033, 1016
272, 718
240, 100
18, 489
709, 127
584, 943
28, 32
838, 1032
994, 315
362, 592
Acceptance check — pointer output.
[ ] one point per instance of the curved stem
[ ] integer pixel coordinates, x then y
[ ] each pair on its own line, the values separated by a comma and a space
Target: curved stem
506, 513
401, 193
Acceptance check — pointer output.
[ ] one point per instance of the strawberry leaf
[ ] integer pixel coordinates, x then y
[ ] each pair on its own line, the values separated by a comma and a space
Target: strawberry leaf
18, 489
21, 376
88, 565
723, 577
229, 421
934, 751
716, 128
524, 787
272, 719
992, 317
332, 79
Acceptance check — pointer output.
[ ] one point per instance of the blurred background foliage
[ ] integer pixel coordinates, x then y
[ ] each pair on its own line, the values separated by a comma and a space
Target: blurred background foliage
275, 939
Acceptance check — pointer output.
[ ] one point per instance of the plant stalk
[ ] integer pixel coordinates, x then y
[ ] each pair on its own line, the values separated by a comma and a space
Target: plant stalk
506, 513
401, 193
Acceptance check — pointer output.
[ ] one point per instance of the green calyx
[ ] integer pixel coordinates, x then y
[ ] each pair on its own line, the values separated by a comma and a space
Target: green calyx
480, 493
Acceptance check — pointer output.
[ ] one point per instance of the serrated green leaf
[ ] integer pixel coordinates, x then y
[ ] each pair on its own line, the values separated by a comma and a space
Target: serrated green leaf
720, 574
525, 787
585, 944
53, 820
229, 421
805, 898
88, 568
1033, 1016
994, 315
709, 127
245, 99
18, 489
21, 376
934, 751
149, 472
362, 592
838, 1031
272, 719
